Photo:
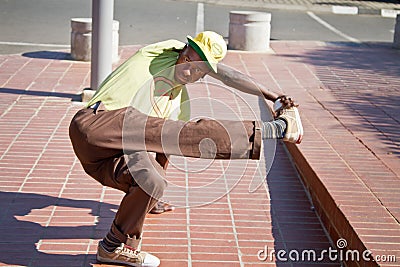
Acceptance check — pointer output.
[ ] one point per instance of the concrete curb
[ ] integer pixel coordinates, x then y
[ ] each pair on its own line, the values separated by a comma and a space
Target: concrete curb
331, 216
390, 13
355, 10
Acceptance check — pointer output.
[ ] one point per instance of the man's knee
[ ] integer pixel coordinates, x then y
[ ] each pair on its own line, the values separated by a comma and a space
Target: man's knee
151, 181
147, 173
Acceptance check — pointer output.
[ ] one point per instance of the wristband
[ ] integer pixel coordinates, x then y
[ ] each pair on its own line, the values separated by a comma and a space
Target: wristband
277, 105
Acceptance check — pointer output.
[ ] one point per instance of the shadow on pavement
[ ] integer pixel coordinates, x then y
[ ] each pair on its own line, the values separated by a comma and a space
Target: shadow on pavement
74, 97
369, 58
295, 225
49, 55
365, 79
19, 236
299, 237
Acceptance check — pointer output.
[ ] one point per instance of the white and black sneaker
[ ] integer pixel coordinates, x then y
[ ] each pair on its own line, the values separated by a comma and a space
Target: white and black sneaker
294, 129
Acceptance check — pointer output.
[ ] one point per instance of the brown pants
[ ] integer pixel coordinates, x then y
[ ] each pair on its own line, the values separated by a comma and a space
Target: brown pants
112, 148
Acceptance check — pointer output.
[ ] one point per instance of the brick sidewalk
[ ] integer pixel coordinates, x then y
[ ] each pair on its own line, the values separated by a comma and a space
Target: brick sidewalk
349, 158
53, 214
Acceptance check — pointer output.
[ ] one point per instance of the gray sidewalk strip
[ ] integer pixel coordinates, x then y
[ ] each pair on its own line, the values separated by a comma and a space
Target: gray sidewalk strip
388, 9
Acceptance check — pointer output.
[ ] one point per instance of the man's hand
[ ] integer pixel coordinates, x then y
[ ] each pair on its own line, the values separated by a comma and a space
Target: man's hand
283, 102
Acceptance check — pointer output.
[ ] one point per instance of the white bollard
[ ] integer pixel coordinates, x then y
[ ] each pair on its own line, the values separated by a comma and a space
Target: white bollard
396, 39
249, 30
81, 39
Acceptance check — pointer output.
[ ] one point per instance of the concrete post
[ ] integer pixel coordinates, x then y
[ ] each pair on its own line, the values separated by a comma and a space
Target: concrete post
249, 30
102, 17
396, 39
81, 39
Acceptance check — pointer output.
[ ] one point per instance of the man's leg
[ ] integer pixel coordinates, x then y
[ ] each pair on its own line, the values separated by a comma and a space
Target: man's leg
202, 138
110, 132
143, 182
109, 166
163, 160
162, 206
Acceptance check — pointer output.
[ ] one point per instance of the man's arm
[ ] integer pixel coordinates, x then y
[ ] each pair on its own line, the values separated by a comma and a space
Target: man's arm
242, 82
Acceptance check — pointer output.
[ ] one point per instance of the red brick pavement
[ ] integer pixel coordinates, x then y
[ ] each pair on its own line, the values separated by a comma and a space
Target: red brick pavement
53, 214
350, 154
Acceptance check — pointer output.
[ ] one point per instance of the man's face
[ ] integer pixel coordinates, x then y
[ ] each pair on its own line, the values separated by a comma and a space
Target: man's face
190, 67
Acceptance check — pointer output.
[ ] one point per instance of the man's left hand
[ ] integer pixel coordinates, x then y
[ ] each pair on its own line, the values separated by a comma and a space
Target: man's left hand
283, 102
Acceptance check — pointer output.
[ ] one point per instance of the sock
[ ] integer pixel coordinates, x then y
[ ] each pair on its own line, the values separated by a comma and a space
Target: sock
273, 129
110, 242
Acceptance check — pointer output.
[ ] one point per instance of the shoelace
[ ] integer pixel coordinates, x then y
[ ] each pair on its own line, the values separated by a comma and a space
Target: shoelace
130, 253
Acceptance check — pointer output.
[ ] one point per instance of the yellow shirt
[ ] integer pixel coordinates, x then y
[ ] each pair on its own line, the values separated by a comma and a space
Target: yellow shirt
146, 82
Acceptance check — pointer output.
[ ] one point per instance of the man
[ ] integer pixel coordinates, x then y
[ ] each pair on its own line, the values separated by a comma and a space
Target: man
126, 119
131, 80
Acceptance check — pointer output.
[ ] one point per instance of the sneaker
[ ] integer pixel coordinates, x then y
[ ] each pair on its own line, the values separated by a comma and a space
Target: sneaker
294, 129
126, 255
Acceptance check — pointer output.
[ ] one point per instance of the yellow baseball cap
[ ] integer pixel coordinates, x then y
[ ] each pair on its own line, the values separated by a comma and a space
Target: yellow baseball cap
210, 46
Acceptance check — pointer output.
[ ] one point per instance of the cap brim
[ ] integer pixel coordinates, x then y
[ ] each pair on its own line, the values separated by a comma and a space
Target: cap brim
199, 50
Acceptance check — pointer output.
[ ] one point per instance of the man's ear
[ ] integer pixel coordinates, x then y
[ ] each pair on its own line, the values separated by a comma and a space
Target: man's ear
185, 48
180, 51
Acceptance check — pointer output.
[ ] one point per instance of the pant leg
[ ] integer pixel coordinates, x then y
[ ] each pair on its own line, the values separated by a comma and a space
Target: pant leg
143, 183
142, 191
110, 132
203, 138
137, 174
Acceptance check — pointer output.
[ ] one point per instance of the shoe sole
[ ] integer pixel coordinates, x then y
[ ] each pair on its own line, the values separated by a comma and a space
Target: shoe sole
107, 260
300, 125
298, 135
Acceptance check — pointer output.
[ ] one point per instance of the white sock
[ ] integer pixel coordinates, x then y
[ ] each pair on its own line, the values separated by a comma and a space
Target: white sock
273, 129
